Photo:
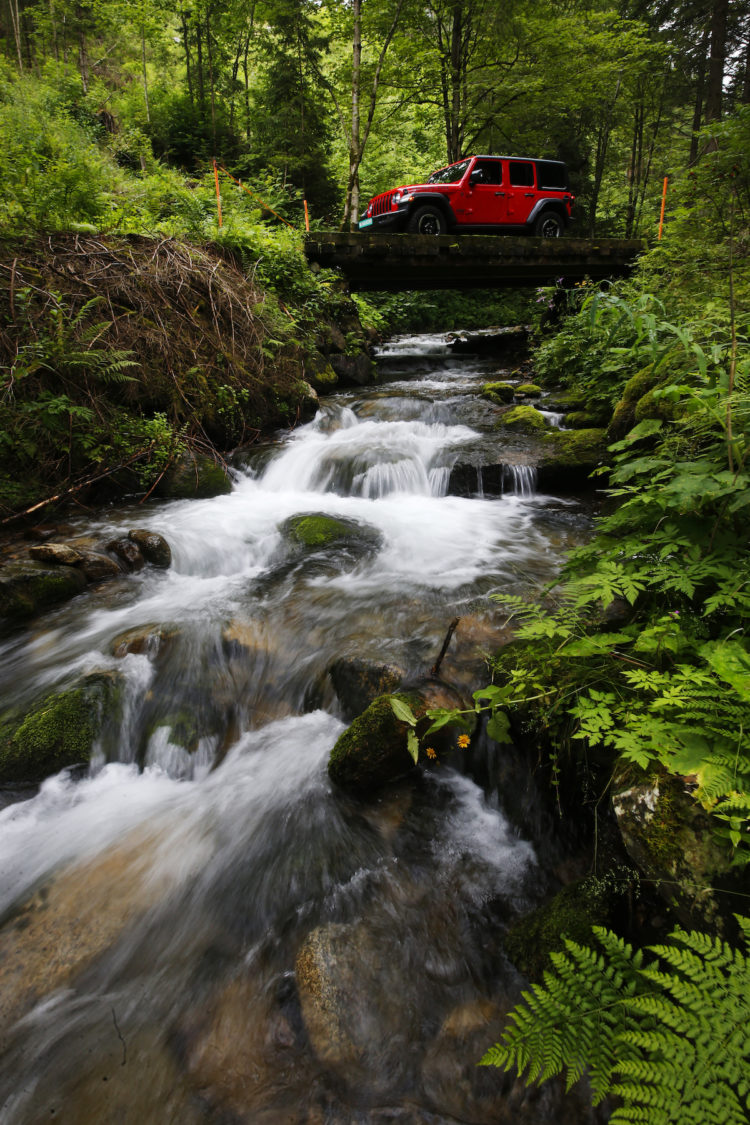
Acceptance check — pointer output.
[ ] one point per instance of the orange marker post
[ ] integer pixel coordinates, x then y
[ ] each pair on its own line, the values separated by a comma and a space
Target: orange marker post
307, 217
663, 204
218, 193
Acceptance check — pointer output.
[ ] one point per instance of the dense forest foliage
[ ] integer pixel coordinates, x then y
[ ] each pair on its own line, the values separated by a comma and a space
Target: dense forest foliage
637, 665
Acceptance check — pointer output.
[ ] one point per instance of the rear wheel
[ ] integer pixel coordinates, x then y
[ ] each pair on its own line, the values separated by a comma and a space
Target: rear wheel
549, 225
427, 220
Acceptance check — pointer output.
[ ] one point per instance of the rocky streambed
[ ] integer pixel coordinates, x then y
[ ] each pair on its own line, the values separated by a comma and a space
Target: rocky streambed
198, 924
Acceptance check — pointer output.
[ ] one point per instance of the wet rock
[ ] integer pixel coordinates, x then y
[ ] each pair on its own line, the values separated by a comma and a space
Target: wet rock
58, 732
62, 927
128, 552
582, 420
358, 682
525, 419
502, 341
569, 458
477, 1095
358, 370
373, 750
331, 339
355, 1006
305, 400
242, 1055
153, 547
98, 567
528, 390
144, 639
118, 1080
315, 533
58, 553
500, 393
672, 840
27, 588
194, 477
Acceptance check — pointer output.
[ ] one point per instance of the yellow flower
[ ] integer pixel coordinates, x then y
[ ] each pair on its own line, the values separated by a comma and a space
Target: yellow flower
430, 752
463, 741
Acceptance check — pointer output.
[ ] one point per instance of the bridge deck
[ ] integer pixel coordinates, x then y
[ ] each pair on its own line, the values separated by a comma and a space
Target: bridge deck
415, 261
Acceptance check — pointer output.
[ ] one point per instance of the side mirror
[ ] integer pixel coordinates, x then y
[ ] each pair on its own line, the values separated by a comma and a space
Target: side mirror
476, 177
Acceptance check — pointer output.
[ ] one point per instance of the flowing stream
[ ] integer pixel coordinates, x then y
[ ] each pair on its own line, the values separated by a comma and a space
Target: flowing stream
201, 929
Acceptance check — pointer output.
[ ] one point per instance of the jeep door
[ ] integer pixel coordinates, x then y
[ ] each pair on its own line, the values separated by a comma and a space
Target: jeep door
521, 190
486, 192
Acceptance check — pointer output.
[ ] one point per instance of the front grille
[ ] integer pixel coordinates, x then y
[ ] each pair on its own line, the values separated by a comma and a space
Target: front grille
382, 203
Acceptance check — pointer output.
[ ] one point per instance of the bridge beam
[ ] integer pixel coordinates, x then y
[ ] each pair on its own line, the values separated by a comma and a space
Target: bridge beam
468, 261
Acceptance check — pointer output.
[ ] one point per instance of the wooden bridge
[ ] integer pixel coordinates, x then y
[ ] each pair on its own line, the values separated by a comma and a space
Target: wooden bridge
468, 261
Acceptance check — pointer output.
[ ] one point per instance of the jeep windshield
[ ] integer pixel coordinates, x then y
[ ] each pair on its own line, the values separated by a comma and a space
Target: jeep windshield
449, 175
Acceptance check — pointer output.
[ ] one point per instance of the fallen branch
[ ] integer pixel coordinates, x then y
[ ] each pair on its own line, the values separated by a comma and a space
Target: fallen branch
435, 669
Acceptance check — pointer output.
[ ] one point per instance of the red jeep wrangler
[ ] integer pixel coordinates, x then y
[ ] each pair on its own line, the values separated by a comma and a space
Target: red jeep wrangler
480, 194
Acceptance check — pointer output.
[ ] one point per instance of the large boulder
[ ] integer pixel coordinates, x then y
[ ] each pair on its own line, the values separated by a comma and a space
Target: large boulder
27, 588
358, 683
354, 370
568, 458
152, 546
194, 477
374, 749
58, 732
673, 841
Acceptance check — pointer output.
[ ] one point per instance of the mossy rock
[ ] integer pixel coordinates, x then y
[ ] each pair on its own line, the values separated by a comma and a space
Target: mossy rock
501, 393
373, 749
524, 419
570, 914
152, 546
27, 588
58, 732
194, 478
569, 457
316, 532
673, 840
319, 373
623, 417
582, 420
529, 390
651, 405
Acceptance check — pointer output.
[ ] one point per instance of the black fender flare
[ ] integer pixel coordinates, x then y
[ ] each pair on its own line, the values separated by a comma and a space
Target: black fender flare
434, 199
555, 205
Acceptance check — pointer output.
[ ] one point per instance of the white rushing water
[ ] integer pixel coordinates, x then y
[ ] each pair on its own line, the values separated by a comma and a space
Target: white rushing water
210, 800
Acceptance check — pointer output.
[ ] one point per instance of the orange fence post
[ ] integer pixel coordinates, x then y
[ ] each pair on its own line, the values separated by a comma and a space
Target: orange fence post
218, 193
663, 204
307, 216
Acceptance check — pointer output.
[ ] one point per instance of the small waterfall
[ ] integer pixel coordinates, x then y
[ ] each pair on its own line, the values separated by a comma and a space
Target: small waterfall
519, 480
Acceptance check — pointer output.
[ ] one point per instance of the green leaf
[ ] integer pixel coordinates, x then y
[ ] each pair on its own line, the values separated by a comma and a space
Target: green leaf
412, 745
498, 728
730, 661
403, 711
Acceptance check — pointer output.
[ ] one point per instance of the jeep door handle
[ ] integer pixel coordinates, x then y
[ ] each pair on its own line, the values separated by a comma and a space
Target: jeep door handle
529, 194
499, 193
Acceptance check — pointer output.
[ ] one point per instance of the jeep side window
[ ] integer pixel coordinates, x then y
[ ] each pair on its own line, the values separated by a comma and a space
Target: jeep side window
492, 171
552, 175
521, 173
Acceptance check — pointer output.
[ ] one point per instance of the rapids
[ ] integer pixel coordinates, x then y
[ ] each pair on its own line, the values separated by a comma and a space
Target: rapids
200, 929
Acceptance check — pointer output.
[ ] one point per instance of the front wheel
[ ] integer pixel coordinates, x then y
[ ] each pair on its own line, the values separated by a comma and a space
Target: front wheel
548, 225
427, 220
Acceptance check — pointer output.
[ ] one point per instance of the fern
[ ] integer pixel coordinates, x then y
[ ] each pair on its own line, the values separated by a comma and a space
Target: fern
670, 1038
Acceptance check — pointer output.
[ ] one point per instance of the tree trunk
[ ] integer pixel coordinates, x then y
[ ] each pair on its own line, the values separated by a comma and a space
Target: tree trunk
355, 154
700, 89
15, 19
717, 59
143, 72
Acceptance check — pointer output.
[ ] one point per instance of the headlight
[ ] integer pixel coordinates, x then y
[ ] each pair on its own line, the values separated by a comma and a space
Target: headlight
401, 197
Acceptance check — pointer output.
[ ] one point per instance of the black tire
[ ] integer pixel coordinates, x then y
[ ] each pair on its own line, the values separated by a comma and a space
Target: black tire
549, 225
427, 220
